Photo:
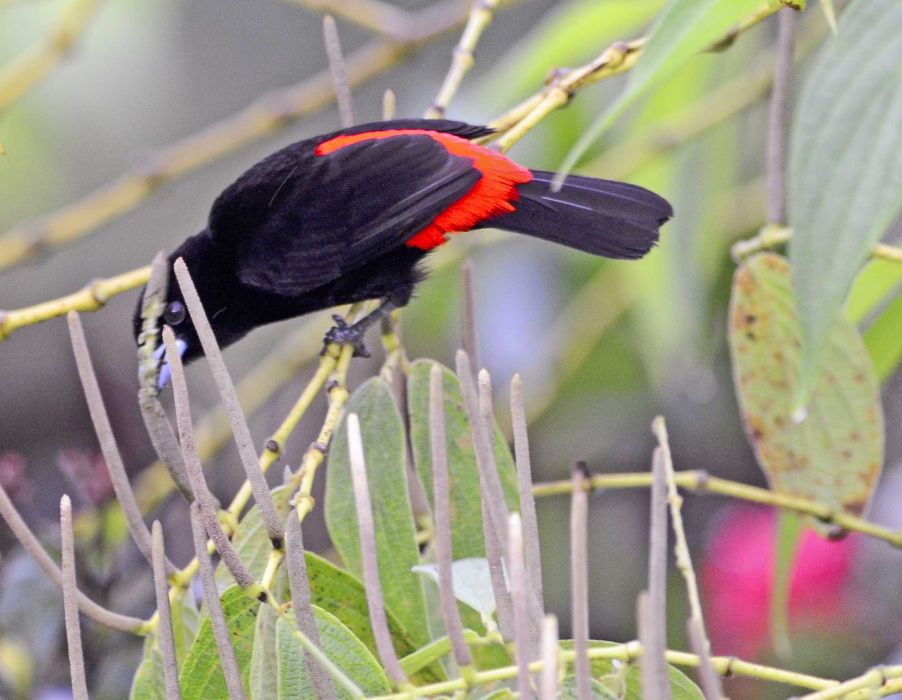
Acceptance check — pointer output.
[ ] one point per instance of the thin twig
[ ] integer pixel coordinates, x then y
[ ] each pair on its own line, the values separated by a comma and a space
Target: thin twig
442, 540
369, 557
203, 497
550, 651
462, 60
520, 599
710, 681
778, 120
656, 641
527, 509
701, 481
681, 548
655, 683
221, 634
338, 71
493, 521
579, 580
389, 104
111, 455
868, 684
375, 15
468, 317
30, 543
495, 491
302, 605
165, 638
155, 420
229, 396
70, 603
26, 70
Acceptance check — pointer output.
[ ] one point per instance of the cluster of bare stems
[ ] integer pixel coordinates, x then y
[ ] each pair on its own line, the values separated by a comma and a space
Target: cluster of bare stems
510, 538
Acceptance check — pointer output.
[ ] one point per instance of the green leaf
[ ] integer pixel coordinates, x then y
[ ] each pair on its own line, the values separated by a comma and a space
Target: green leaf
340, 645
338, 592
834, 453
396, 546
845, 173
466, 511
874, 286
683, 29
472, 585
883, 341
264, 679
626, 682
201, 676
251, 541
789, 536
185, 621
148, 682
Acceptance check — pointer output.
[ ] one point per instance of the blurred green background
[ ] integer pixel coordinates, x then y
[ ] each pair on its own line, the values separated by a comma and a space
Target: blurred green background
602, 346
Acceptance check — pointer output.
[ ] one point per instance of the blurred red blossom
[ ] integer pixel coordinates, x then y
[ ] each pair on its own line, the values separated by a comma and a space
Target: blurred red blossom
737, 581
13, 478
87, 472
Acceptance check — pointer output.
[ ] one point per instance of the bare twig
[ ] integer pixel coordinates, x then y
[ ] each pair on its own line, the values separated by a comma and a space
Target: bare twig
229, 396
675, 501
389, 105
30, 543
493, 520
492, 483
203, 497
520, 599
656, 642
442, 540
165, 639
550, 651
701, 481
70, 603
579, 580
155, 419
710, 681
108, 447
778, 119
369, 557
375, 15
655, 683
23, 72
339, 72
480, 17
221, 633
527, 506
468, 317
301, 602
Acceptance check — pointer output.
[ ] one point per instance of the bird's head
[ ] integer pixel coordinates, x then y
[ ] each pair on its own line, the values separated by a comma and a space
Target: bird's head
211, 280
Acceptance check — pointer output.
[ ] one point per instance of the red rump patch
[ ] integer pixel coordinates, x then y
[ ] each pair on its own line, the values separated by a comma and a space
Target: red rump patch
492, 195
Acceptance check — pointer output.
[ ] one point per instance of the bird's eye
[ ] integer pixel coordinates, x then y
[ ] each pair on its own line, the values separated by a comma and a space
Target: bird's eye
174, 313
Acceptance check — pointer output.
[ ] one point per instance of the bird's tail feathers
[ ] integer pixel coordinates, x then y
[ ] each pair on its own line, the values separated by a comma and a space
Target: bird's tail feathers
602, 217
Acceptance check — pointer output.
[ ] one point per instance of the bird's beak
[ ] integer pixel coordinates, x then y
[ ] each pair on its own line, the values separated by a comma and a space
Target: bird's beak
163, 362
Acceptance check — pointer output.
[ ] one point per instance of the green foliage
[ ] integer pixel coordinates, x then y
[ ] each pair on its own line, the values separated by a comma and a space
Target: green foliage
834, 452
845, 171
396, 546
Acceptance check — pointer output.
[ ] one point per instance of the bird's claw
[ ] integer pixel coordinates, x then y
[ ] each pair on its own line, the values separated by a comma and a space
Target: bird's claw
342, 333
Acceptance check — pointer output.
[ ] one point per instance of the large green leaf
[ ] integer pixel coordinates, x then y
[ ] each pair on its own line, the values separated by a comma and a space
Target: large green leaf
832, 454
845, 184
682, 30
883, 339
251, 541
340, 645
396, 547
466, 511
201, 676
264, 672
338, 592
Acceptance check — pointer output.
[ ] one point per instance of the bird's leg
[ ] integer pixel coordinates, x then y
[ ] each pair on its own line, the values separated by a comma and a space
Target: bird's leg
342, 333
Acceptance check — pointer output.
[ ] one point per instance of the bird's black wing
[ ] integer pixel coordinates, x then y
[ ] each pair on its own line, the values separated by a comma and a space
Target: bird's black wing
296, 221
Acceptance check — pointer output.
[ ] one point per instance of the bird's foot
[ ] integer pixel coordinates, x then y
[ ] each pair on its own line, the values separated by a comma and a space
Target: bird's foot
343, 333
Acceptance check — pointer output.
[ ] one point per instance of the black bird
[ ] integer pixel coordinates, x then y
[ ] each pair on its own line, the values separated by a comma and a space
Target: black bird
348, 216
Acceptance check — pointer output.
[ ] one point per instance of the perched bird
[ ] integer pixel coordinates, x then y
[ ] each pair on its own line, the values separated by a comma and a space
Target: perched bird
349, 216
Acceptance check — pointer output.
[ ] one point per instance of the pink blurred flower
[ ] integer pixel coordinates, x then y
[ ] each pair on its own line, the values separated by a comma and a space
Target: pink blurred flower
87, 472
737, 576
13, 478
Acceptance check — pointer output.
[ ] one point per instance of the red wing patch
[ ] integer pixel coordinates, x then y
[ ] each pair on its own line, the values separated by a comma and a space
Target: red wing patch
492, 195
